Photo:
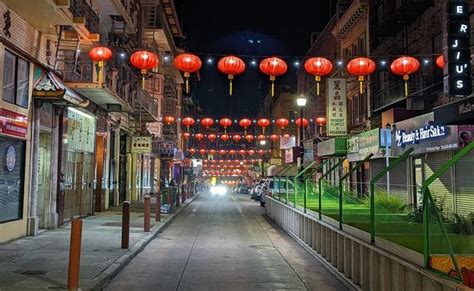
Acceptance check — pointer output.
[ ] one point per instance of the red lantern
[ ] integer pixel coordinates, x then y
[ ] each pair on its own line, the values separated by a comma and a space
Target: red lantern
100, 54
207, 122
282, 122
273, 67
405, 66
192, 151
286, 135
263, 122
186, 135
187, 63
232, 152
212, 152
361, 67
261, 137
318, 67
237, 137
211, 137
440, 62
242, 152
274, 137
231, 66
188, 121
249, 138
321, 121
224, 137
298, 122
245, 123
168, 120
225, 122
144, 60
199, 136
261, 152
202, 151
251, 152
222, 152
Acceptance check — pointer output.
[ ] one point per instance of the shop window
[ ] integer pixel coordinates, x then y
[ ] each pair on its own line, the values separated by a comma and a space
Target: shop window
16, 80
12, 176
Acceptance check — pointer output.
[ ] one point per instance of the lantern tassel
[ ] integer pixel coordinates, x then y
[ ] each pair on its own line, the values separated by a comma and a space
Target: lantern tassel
101, 65
318, 79
361, 84
272, 78
230, 87
187, 85
143, 71
406, 77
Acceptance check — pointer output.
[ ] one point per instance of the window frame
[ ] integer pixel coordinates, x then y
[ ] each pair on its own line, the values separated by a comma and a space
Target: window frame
17, 59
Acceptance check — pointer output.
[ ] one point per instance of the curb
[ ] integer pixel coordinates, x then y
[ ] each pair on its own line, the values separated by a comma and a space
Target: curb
103, 279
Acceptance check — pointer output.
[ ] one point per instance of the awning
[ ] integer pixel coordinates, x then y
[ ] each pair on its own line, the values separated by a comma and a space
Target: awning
49, 87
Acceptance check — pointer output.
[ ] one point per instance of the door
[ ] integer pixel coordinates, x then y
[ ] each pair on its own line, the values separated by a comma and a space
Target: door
123, 167
112, 176
418, 178
69, 185
87, 181
44, 178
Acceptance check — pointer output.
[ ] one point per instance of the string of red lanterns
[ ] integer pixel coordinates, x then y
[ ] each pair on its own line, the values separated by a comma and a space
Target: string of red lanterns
231, 65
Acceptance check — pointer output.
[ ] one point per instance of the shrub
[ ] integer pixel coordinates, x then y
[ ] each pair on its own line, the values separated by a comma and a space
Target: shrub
391, 203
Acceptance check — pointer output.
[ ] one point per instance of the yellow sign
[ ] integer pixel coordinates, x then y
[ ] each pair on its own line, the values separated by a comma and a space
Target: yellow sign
141, 144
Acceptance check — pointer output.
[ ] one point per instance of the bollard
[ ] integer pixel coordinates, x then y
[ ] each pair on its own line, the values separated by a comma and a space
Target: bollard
74, 255
125, 224
158, 206
146, 223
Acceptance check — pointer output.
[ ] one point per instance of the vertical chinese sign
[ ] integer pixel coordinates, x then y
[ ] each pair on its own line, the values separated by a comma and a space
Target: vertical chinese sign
336, 107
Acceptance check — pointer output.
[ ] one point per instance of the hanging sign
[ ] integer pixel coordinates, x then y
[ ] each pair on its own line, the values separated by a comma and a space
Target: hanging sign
458, 81
336, 107
12, 123
141, 144
287, 142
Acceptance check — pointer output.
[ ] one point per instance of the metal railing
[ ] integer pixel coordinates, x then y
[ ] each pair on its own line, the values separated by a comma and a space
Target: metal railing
81, 8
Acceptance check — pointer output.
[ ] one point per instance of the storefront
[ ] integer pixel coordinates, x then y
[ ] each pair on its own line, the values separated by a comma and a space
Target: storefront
51, 96
434, 145
333, 150
78, 163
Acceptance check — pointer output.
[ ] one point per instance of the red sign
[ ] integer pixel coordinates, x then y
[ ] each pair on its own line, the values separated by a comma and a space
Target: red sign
13, 123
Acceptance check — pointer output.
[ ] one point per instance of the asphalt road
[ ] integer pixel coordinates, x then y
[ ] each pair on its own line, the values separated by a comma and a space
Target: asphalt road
224, 243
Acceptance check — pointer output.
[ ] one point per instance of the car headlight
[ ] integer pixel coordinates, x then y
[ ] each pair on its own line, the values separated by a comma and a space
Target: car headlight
218, 190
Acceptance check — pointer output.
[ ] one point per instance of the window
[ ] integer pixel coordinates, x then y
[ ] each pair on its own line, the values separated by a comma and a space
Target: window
16, 80
12, 165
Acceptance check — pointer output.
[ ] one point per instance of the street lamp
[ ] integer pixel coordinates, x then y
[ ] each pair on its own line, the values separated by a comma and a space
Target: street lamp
263, 142
301, 102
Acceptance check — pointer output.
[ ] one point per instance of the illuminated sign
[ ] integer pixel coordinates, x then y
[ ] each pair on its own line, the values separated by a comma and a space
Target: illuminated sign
425, 133
459, 82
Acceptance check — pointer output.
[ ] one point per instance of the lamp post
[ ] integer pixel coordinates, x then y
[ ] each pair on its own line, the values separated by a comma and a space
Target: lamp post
262, 144
387, 153
301, 102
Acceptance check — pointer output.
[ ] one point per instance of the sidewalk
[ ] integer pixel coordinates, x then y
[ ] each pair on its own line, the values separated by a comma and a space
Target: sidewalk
41, 262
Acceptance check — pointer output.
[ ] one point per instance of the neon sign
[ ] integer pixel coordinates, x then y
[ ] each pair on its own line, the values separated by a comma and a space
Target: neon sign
425, 133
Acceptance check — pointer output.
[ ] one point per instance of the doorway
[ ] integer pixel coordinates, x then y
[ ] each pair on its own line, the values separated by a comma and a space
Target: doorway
44, 179
418, 178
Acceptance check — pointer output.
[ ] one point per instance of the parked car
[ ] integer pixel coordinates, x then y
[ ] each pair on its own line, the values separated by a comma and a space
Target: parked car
256, 192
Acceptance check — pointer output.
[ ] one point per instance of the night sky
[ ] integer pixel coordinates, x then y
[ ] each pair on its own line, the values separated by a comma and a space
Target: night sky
254, 28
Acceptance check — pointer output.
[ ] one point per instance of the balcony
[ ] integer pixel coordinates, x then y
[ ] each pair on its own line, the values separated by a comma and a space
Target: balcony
419, 89
46, 15
145, 106
161, 25
126, 10
391, 15
115, 91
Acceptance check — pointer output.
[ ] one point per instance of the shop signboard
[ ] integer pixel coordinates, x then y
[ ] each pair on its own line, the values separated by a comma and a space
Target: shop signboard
336, 107
166, 149
292, 155
363, 144
308, 150
455, 112
425, 136
287, 142
141, 144
333, 147
12, 123
458, 73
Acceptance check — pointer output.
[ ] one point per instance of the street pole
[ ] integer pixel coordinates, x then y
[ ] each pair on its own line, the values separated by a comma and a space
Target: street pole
301, 139
387, 156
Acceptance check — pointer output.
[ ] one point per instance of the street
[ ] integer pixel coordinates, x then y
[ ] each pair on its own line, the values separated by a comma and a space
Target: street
224, 243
